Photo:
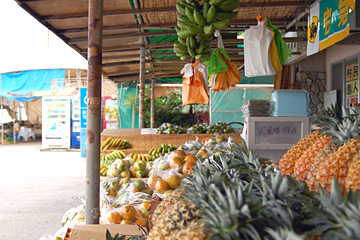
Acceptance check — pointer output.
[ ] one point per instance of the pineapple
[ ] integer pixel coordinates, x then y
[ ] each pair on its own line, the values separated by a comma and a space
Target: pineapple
353, 178
337, 165
165, 205
331, 123
174, 219
193, 231
288, 161
317, 163
303, 165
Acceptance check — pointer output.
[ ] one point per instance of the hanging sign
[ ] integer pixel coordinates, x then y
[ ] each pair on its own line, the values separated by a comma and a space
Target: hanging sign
328, 23
352, 85
313, 30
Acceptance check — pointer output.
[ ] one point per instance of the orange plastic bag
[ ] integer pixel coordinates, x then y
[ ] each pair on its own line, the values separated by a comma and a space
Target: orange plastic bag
194, 90
226, 79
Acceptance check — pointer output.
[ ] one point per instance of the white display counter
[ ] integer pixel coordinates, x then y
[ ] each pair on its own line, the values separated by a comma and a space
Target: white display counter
271, 137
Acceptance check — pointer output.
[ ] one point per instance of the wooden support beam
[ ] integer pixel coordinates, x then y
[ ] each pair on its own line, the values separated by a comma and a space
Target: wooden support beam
234, 26
229, 43
148, 70
171, 9
169, 26
123, 36
121, 27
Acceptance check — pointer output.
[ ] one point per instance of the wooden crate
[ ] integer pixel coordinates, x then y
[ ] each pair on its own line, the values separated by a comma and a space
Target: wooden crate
142, 143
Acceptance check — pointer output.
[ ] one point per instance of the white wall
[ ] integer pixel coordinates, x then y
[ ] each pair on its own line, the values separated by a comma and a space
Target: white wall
335, 54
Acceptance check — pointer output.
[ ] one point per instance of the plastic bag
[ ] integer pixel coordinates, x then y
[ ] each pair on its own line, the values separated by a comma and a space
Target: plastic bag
194, 90
127, 214
191, 146
164, 182
111, 188
257, 42
283, 49
170, 171
223, 73
118, 169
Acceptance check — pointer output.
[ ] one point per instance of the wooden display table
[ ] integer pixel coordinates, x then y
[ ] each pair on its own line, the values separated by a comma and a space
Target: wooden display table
142, 143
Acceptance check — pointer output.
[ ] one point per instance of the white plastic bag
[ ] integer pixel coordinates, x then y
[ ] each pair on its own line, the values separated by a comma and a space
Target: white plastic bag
257, 60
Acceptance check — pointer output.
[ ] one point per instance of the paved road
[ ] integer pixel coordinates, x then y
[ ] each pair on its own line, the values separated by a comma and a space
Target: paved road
37, 188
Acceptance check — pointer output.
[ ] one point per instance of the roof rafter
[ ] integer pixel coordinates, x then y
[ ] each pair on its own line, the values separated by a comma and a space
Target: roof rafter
170, 9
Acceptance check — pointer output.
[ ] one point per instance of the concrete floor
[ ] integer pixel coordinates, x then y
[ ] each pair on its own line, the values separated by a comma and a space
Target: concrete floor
37, 188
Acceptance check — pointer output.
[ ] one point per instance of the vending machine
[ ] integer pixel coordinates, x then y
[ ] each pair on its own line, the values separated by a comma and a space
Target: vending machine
75, 121
56, 122
110, 107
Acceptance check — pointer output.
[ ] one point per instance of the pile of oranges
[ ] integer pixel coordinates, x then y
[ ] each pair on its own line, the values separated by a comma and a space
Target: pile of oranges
127, 214
179, 163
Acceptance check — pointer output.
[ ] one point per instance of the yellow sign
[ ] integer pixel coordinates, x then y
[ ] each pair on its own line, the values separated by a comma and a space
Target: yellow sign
313, 29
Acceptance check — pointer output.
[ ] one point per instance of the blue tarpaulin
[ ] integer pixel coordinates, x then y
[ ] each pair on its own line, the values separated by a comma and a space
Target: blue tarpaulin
19, 86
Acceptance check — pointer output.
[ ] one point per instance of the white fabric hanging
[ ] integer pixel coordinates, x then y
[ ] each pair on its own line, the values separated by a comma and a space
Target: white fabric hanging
187, 71
257, 60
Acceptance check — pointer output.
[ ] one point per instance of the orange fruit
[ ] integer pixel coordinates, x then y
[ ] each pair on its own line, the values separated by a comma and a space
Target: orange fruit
141, 222
136, 189
152, 181
161, 186
128, 212
180, 153
173, 181
176, 161
147, 191
145, 205
202, 151
125, 174
186, 170
139, 213
127, 221
114, 218
205, 156
190, 158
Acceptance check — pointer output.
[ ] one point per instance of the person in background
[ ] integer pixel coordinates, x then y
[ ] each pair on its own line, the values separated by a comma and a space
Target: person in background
17, 128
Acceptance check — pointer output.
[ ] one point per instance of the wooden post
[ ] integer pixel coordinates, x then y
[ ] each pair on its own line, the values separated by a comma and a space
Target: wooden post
95, 23
152, 106
142, 87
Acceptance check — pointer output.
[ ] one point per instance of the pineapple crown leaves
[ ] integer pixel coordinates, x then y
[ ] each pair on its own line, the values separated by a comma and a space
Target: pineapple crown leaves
116, 237
344, 131
338, 217
226, 213
283, 234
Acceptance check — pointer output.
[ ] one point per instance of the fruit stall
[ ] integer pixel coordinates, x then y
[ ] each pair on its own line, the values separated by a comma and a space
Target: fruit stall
203, 183
219, 189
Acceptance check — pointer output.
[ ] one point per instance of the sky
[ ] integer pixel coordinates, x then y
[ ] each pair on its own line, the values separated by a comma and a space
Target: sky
25, 44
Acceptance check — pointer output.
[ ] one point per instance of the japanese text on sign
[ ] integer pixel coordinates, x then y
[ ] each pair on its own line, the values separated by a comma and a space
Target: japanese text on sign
277, 133
352, 85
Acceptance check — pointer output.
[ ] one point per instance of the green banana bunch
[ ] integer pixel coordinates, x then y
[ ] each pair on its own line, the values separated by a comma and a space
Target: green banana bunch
226, 15
197, 23
229, 5
156, 152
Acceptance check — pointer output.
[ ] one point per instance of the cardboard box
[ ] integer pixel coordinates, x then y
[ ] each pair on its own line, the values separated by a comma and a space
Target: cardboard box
96, 231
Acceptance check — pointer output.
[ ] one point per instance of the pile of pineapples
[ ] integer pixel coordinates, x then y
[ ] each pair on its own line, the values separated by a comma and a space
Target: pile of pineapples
243, 197
334, 151
233, 194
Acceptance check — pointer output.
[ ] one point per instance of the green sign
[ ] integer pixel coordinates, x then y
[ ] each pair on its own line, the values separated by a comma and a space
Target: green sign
334, 21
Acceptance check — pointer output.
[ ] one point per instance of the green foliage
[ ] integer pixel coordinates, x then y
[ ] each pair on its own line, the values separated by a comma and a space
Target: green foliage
169, 109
